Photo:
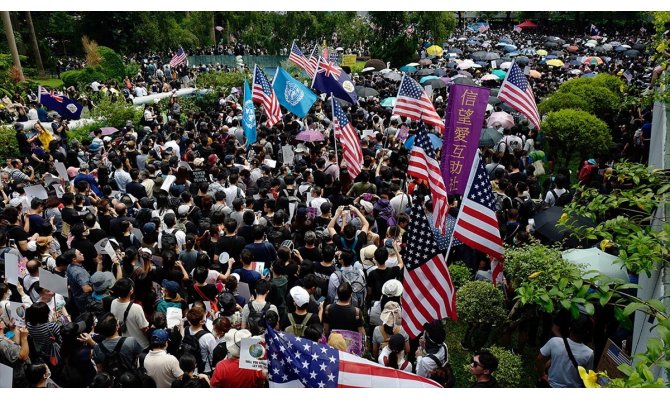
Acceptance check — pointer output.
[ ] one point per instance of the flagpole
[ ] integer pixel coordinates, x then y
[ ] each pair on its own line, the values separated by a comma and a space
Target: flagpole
473, 170
317, 67
332, 122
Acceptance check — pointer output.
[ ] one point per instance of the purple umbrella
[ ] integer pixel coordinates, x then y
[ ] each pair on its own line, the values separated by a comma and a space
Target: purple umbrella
310, 136
107, 131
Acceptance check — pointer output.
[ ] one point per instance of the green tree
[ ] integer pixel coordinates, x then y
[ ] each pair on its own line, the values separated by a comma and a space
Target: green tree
561, 100
574, 134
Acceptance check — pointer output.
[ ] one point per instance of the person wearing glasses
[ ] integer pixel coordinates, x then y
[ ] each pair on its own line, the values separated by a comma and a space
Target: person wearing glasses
482, 365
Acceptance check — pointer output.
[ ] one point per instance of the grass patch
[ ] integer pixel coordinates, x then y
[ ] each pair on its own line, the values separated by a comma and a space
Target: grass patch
52, 83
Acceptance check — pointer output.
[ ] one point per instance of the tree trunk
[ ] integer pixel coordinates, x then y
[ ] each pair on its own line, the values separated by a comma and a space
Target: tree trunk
213, 31
11, 40
36, 48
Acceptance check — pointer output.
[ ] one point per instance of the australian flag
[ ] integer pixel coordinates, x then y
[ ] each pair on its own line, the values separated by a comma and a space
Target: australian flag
66, 107
330, 78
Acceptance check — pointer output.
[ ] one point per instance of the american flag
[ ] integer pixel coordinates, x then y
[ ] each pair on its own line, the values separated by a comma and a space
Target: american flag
412, 102
294, 362
516, 92
429, 292
423, 165
263, 93
351, 147
477, 224
517, 29
178, 58
617, 355
298, 58
313, 61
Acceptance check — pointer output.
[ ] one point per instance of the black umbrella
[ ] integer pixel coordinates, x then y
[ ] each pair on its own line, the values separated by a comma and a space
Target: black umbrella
375, 63
437, 84
551, 45
575, 63
632, 53
455, 51
493, 100
489, 137
640, 46
522, 60
464, 81
478, 55
599, 49
425, 72
440, 72
491, 55
546, 224
364, 91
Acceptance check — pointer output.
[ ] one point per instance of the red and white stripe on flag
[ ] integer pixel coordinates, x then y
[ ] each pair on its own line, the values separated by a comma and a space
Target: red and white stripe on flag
413, 103
424, 167
348, 137
517, 92
263, 93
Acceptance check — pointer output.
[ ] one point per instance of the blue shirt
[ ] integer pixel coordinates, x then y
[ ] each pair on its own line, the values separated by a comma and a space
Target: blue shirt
91, 182
250, 277
78, 277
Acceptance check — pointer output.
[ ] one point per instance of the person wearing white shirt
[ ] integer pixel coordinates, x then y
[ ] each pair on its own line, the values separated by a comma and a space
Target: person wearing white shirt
120, 175
317, 200
161, 366
172, 143
196, 317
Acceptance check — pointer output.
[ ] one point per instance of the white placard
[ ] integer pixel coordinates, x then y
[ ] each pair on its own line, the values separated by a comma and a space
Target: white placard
270, 163
49, 179
169, 180
173, 316
62, 171
17, 312
253, 354
526, 70
429, 91
59, 190
530, 43
12, 268
287, 154
36, 191
6, 376
494, 64
104, 246
53, 282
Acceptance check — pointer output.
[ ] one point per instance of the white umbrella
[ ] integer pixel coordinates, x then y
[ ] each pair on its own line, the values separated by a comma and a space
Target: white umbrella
368, 69
594, 261
490, 77
413, 64
607, 47
590, 44
385, 70
506, 65
575, 72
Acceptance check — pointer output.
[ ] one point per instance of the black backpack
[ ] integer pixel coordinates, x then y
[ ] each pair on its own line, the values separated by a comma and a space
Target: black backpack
168, 240
256, 318
114, 364
444, 373
191, 344
562, 200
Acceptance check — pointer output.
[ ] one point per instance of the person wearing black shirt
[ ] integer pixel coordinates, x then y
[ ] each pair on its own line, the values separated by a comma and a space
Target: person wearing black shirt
81, 243
342, 314
200, 290
380, 275
309, 251
15, 231
230, 243
483, 364
134, 187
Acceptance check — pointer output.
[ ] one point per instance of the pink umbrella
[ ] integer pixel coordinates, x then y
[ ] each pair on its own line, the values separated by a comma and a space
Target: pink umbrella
107, 131
310, 136
504, 119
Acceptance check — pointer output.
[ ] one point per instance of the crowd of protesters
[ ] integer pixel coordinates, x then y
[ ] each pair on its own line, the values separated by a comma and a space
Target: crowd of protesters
233, 236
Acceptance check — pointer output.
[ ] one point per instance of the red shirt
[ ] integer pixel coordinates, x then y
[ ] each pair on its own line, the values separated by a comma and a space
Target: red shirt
228, 374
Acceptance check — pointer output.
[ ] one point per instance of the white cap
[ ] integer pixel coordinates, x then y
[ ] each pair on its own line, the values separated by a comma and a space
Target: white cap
183, 209
299, 295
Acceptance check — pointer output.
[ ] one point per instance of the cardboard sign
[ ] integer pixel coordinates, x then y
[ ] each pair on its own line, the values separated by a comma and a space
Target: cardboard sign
291, 211
258, 266
610, 360
348, 60
12, 268
243, 290
105, 247
62, 171
253, 354
270, 163
53, 282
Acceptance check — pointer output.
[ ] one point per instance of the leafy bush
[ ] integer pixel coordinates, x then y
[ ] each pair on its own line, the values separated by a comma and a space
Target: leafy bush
480, 303
112, 64
132, 69
562, 100
71, 77
10, 147
358, 67
602, 101
575, 133
510, 367
460, 274
116, 113
611, 82
544, 264
221, 80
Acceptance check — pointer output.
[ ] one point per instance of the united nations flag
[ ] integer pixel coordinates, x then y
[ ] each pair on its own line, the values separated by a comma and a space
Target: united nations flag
292, 94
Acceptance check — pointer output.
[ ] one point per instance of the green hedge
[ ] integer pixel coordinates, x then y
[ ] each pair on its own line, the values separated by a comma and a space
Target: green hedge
10, 147
112, 66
